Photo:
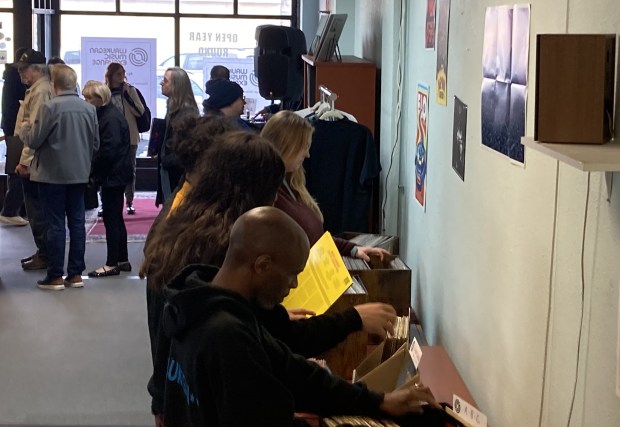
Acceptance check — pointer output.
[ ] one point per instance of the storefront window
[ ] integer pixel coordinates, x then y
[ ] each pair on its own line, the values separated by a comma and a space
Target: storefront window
6, 3
150, 6
88, 5
265, 7
206, 42
220, 7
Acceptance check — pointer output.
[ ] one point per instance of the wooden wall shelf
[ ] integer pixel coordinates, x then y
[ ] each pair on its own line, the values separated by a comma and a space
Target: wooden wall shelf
585, 157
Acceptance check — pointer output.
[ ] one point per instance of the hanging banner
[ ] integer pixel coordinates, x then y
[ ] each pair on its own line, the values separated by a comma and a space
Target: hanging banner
421, 144
443, 20
136, 55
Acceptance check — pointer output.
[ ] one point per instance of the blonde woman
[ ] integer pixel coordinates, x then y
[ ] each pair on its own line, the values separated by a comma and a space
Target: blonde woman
125, 97
292, 135
111, 168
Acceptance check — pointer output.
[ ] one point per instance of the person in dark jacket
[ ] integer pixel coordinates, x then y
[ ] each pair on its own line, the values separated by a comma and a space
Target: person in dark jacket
112, 170
181, 103
225, 369
13, 92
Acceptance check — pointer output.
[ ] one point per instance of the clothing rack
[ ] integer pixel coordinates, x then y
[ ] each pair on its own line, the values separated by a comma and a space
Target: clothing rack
328, 96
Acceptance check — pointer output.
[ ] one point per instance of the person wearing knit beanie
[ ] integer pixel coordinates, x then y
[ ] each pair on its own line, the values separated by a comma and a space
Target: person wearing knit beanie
225, 98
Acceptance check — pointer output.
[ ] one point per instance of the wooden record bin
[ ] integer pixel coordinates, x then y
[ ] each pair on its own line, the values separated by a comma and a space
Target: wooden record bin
354, 81
387, 284
343, 358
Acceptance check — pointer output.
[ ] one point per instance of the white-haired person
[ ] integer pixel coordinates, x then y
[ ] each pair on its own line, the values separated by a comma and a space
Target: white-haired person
112, 170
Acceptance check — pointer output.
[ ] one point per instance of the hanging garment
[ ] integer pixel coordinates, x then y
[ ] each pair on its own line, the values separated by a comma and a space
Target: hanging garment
339, 173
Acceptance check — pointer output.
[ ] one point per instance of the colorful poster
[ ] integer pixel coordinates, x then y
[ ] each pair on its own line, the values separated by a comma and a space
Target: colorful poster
421, 148
429, 38
459, 137
443, 21
505, 56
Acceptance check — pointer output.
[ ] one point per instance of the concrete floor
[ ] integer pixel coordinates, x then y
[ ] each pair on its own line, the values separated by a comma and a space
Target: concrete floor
77, 357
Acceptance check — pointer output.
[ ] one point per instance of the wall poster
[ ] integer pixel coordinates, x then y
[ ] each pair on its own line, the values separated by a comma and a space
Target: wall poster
504, 78
421, 148
443, 21
459, 137
429, 35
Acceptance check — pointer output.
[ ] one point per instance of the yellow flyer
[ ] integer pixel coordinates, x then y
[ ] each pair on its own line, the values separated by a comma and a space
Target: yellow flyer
323, 280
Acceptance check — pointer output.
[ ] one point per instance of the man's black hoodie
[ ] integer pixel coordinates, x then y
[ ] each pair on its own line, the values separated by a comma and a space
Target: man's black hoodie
225, 369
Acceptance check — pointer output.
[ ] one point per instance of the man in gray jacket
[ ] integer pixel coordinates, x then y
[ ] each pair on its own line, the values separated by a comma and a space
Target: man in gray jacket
64, 136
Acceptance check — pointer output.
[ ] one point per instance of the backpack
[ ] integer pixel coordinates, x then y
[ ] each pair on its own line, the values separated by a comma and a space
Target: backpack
143, 121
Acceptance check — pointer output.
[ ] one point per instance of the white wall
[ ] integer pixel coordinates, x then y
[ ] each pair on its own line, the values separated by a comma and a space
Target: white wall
497, 258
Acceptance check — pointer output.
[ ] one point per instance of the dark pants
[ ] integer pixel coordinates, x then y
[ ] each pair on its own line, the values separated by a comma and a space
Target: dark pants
34, 210
60, 200
14, 199
115, 231
130, 191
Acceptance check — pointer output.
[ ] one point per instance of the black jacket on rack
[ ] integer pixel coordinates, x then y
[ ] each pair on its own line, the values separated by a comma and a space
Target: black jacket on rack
339, 173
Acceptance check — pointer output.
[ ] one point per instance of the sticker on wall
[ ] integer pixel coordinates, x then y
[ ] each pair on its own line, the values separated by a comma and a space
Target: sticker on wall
443, 20
459, 137
421, 144
504, 78
429, 34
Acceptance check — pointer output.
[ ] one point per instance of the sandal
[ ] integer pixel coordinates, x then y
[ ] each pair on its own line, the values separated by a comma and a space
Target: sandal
113, 271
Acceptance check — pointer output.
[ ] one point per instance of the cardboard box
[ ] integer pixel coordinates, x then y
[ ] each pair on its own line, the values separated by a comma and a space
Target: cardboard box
388, 376
574, 88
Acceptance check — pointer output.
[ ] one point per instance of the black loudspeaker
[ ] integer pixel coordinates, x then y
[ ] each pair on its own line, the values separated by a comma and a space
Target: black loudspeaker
277, 61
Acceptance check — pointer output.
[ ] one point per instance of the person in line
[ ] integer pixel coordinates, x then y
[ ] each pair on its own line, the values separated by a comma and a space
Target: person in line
125, 97
181, 103
198, 232
35, 74
112, 170
225, 369
64, 136
13, 92
218, 72
226, 99
292, 136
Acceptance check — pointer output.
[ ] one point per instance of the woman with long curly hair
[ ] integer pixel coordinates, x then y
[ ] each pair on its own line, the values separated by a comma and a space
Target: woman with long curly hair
238, 172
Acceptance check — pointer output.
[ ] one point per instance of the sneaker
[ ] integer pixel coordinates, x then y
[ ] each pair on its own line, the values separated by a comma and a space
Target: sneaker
13, 220
36, 263
74, 281
56, 284
130, 209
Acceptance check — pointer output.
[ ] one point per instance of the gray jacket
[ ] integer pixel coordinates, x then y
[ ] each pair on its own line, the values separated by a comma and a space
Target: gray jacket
65, 134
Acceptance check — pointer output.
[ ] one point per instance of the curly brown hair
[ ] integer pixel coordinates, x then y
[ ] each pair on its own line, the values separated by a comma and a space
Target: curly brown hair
238, 172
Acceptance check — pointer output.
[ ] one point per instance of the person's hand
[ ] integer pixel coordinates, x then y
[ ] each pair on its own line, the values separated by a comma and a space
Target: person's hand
408, 400
22, 170
377, 318
159, 420
364, 252
299, 313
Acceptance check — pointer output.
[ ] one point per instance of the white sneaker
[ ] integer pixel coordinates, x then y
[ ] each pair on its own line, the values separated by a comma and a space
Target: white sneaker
13, 220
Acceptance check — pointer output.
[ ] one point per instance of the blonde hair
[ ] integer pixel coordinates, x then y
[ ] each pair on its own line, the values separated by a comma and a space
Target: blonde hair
63, 77
94, 88
292, 134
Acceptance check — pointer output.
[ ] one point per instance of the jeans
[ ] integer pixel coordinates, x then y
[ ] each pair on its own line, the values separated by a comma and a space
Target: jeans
34, 210
14, 199
115, 231
60, 200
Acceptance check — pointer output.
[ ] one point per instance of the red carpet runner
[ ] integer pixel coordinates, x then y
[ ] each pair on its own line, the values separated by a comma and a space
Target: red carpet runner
138, 225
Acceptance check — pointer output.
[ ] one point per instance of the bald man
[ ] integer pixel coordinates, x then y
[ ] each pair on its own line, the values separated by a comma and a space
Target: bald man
224, 368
